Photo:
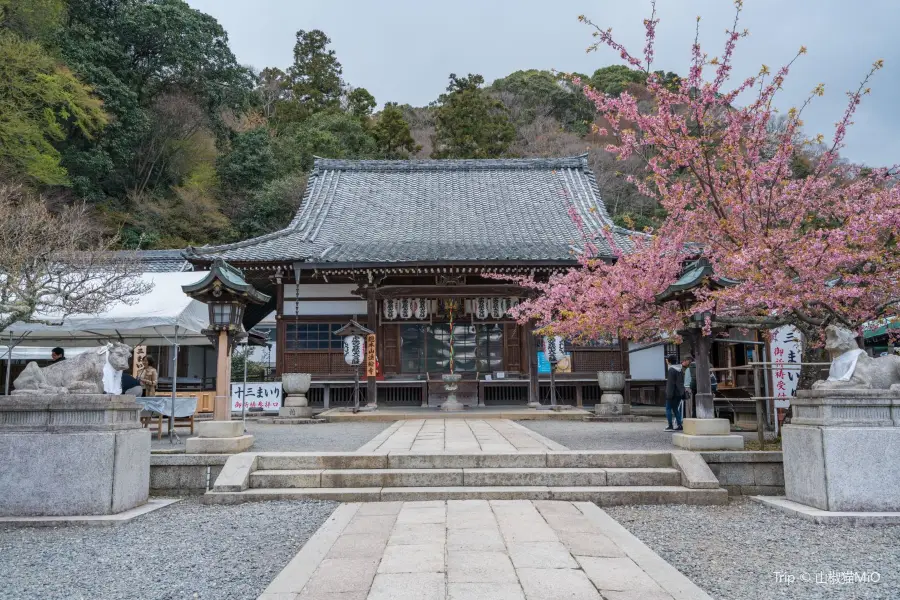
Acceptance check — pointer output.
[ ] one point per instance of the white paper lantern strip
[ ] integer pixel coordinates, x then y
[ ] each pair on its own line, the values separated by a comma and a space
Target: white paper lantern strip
354, 350
405, 309
390, 309
420, 308
510, 304
554, 348
498, 307
482, 308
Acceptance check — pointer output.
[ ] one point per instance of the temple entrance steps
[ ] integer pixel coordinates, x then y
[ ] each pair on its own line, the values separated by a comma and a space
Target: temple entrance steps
606, 478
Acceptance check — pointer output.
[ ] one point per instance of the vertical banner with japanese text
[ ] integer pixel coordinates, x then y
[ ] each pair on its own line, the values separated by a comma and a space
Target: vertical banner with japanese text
785, 348
371, 362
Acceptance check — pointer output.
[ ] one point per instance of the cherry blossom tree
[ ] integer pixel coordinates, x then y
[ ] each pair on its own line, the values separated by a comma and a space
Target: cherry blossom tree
807, 246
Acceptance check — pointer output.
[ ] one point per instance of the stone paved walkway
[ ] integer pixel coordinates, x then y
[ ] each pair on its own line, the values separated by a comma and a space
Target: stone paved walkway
477, 550
459, 435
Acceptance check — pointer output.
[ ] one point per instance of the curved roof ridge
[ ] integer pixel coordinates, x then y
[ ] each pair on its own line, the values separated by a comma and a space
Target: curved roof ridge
463, 164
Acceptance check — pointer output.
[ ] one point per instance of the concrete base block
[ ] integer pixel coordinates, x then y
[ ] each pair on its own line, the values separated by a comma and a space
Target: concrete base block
825, 517
847, 469
219, 429
91, 520
295, 412
708, 442
229, 445
80, 473
707, 427
618, 419
609, 410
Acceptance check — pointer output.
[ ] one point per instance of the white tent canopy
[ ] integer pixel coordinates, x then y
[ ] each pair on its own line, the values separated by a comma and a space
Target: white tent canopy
153, 320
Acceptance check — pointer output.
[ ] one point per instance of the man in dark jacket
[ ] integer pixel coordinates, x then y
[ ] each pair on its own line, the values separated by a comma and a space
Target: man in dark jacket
674, 391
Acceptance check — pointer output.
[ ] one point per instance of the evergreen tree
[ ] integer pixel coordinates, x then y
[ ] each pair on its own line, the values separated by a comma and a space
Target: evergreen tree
469, 123
315, 76
391, 132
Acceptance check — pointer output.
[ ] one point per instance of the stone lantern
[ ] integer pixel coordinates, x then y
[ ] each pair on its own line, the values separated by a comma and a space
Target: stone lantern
227, 293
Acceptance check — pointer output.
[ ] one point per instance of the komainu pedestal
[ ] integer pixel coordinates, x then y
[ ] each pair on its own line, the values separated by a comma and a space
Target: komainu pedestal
72, 454
842, 450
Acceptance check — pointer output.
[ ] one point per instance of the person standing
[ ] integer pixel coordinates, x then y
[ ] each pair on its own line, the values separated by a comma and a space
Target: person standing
149, 377
674, 391
57, 354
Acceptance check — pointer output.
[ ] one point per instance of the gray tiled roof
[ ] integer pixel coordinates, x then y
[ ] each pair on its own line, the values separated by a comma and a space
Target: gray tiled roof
369, 211
158, 261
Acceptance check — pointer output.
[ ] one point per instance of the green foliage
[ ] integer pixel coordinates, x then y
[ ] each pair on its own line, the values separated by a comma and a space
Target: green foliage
255, 371
41, 104
533, 93
250, 163
391, 133
331, 134
132, 52
315, 76
469, 123
613, 80
360, 103
270, 208
37, 19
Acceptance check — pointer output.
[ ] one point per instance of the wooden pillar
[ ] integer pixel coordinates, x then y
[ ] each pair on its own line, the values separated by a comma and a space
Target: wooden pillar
279, 330
222, 406
534, 390
626, 366
371, 384
703, 403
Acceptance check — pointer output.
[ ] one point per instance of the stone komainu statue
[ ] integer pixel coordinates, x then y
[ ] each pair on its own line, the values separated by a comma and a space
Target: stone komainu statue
852, 368
94, 372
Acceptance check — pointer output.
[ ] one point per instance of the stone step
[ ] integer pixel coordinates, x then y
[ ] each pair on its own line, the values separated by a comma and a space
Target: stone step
601, 495
568, 459
487, 477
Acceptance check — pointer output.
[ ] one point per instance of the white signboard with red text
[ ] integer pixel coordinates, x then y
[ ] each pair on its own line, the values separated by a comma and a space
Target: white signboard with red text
785, 349
259, 396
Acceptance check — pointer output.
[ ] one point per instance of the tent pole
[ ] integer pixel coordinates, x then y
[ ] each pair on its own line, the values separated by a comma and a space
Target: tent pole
9, 349
174, 387
244, 393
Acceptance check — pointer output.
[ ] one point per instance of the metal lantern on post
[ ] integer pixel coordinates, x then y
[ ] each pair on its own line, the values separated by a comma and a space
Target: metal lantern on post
354, 344
227, 294
554, 350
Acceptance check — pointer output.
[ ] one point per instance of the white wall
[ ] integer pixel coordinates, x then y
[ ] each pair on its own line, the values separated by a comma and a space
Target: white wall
648, 363
353, 305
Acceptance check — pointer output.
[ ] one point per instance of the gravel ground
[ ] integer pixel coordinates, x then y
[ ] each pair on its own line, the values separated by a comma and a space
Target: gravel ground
734, 551
182, 551
326, 437
578, 435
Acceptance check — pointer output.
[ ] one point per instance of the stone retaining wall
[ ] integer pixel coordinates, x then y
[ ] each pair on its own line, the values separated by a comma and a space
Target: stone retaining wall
183, 474
748, 473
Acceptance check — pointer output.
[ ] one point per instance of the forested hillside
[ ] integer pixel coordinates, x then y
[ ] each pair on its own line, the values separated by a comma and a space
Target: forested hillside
140, 109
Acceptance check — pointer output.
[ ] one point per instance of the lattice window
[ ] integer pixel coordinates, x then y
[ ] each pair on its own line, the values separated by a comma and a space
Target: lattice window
312, 336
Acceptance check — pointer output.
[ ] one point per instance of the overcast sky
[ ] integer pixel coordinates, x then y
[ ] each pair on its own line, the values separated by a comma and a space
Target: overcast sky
403, 50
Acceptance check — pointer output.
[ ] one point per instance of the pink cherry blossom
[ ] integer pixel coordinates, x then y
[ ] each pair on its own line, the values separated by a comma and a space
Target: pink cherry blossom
808, 250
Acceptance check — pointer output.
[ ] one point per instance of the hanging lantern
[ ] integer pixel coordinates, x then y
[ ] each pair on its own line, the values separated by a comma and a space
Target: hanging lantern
510, 304
354, 343
390, 309
405, 309
498, 307
554, 348
420, 308
354, 350
482, 308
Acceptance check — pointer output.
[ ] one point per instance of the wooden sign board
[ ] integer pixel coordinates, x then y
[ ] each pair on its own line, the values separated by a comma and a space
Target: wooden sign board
371, 363
137, 364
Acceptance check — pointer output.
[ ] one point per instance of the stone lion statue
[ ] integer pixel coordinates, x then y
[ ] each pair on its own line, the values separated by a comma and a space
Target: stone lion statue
852, 368
94, 372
